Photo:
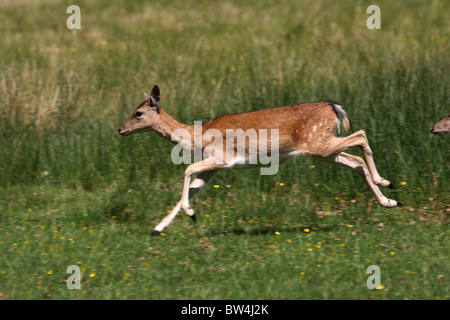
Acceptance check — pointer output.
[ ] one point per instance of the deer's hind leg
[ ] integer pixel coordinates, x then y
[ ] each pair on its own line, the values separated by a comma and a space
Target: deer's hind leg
357, 164
358, 139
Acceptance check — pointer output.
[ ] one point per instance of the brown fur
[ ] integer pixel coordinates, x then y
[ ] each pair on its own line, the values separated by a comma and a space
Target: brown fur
293, 122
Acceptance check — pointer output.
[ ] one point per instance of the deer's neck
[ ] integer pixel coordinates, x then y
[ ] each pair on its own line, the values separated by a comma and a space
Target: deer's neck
169, 125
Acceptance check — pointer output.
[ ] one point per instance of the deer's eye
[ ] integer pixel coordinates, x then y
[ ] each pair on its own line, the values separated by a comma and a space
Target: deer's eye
138, 114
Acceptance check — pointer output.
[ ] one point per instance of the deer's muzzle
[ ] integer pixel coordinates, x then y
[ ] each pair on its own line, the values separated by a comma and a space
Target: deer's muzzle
123, 132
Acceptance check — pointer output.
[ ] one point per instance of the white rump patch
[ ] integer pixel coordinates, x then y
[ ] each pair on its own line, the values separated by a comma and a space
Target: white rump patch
342, 115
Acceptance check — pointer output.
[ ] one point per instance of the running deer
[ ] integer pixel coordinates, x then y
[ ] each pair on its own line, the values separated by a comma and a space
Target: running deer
306, 129
442, 127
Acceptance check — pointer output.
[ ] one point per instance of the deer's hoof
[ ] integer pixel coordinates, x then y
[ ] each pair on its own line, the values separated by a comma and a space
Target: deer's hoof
194, 217
391, 186
188, 210
155, 233
399, 204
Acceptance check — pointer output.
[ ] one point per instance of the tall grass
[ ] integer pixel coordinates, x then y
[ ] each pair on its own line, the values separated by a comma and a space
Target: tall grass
64, 93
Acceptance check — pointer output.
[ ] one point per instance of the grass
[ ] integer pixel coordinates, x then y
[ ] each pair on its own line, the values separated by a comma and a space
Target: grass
73, 192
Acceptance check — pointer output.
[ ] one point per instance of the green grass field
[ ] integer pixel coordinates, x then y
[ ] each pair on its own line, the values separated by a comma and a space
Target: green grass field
74, 192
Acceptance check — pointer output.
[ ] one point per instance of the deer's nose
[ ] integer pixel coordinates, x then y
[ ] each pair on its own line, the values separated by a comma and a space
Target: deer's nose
123, 132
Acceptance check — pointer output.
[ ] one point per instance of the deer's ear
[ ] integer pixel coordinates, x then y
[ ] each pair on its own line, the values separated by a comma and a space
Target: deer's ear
155, 97
147, 97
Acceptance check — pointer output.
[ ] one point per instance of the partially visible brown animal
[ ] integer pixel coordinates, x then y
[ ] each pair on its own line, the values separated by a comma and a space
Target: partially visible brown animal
442, 127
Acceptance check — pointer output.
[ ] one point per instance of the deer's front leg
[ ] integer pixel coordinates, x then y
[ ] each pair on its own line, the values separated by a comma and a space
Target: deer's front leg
196, 185
184, 202
206, 170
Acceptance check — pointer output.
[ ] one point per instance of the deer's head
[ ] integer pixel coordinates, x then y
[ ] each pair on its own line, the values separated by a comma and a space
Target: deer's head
442, 127
146, 115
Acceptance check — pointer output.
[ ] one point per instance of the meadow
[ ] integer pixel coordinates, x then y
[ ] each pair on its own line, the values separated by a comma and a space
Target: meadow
74, 192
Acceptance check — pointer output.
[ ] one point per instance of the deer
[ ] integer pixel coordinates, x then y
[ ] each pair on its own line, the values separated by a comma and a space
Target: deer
442, 127
304, 129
